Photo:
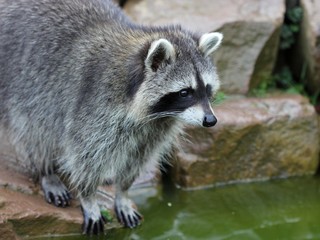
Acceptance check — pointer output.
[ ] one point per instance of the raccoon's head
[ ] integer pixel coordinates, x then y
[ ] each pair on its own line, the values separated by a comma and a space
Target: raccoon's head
177, 80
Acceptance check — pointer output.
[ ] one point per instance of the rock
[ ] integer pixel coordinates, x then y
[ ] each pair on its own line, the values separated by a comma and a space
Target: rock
251, 33
7, 233
306, 53
25, 212
255, 139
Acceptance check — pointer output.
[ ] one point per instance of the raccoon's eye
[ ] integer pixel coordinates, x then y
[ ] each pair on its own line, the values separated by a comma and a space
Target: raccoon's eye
184, 93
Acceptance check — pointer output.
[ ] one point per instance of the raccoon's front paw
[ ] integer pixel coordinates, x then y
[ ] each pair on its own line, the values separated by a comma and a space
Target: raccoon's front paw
93, 222
126, 214
55, 191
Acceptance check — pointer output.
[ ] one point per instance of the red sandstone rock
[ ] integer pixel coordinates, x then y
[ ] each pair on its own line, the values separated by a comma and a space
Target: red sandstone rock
23, 210
255, 138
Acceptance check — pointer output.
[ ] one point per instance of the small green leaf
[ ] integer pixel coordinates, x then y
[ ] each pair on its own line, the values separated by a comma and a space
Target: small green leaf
294, 28
295, 14
106, 214
219, 97
286, 32
292, 90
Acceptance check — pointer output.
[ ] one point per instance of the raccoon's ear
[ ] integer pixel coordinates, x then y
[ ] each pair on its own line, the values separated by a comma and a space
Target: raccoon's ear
160, 52
209, 42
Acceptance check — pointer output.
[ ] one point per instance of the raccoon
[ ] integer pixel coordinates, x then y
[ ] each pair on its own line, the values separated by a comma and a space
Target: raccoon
88, 95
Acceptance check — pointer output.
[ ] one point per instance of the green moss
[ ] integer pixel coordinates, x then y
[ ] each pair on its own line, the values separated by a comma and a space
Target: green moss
43, 225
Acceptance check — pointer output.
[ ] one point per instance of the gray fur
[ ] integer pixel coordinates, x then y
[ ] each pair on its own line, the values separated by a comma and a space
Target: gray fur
75, 92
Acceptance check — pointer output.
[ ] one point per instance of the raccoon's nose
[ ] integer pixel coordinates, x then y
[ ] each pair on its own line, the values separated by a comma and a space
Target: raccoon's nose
209, 120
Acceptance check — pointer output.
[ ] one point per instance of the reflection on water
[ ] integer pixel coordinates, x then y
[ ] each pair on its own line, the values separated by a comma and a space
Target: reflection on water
280, 209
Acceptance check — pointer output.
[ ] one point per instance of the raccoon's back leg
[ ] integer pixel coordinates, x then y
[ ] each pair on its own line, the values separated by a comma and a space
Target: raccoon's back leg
37, 146
55, 191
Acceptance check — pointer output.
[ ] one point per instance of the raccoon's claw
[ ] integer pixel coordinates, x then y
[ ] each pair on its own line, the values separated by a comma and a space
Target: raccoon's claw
59, 199
92, 225
126, 214
131, 220
55, 191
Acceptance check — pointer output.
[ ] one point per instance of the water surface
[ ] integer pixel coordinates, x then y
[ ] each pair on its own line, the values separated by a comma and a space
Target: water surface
279, 209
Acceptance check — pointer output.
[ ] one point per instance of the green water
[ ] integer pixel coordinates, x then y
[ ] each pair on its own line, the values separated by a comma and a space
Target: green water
280, 209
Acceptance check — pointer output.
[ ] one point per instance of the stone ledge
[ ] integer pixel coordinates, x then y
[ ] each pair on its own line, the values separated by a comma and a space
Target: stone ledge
24, 211
31, 215
255, 139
